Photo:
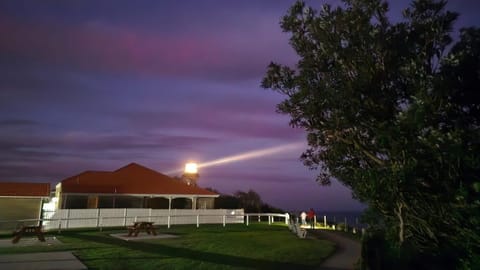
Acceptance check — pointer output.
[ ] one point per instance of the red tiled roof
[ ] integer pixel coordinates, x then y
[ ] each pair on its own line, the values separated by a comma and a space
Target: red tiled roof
131, 179
24, 189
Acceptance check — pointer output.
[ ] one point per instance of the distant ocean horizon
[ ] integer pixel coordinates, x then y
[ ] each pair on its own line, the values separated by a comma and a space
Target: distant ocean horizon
352, 216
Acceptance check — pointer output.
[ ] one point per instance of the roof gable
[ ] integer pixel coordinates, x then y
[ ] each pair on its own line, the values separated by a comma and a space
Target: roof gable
130, 179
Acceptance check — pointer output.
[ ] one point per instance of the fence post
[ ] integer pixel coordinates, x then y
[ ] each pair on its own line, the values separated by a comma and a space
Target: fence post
314, 221
198, 221
135, 218
68, 219
125, 217
150, 215
168, 221
287, 218
224, 220
325, 221
247, 218
258, 218
269, 220
98, 217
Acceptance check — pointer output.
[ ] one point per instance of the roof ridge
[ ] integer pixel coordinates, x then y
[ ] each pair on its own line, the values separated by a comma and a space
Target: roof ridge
136, 165
82, 174
131, 164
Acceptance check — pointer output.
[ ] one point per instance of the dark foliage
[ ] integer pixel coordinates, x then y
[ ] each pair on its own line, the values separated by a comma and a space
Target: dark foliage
394, 115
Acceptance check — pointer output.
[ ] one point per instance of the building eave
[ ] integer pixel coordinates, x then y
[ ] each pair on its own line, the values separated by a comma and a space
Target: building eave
146, 195
24, 197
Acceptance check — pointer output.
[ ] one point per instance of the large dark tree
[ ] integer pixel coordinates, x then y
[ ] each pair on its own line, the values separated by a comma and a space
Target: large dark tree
249, 200
392, 114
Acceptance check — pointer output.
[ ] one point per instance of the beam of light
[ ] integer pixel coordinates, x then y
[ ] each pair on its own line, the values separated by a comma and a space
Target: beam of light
248, 155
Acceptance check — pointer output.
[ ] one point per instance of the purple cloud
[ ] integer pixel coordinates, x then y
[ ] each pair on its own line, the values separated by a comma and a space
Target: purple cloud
99, 47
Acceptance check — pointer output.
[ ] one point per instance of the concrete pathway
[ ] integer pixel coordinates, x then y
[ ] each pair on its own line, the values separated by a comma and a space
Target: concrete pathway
346, 254
41, 261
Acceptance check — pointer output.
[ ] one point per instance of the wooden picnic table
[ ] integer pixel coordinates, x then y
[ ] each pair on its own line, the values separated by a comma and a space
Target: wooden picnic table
139, 226
37, 230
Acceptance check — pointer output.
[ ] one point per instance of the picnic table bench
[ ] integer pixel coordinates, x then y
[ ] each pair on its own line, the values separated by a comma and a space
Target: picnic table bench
139, 226
37, 230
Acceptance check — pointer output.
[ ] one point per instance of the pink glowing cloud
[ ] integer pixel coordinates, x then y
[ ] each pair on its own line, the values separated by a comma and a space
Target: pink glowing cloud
111, 49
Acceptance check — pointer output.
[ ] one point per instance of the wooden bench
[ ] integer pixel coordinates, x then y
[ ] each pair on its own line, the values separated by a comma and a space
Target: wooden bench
37, 230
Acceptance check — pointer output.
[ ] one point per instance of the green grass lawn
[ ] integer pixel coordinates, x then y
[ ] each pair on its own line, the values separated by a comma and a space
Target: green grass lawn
258, 246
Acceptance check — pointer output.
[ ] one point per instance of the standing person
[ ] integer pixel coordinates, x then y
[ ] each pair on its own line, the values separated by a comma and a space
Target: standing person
303, 215
311, 217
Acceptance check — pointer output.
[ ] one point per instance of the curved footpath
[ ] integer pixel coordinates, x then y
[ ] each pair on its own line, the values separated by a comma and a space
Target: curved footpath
346, 254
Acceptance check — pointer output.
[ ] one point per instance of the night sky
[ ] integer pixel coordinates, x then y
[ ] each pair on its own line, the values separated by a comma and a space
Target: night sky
96, 85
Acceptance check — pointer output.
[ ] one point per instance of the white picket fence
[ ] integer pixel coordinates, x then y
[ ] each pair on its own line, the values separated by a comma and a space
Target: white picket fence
99, 218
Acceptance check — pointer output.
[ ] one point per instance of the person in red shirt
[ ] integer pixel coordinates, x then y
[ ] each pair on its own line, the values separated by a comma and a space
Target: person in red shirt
311, 217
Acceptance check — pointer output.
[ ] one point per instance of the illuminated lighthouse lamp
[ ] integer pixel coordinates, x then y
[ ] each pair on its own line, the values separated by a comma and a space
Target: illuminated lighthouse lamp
190, 175
191, 168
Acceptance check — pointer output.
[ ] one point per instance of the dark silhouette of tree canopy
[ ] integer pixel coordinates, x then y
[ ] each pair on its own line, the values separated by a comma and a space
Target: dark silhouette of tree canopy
392, 114
250, 201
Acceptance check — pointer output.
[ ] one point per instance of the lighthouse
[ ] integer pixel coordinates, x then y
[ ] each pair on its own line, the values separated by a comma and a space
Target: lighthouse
190, 174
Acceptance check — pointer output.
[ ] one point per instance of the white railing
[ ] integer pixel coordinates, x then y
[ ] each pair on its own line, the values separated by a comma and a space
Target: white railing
62, 219
118, 217
271, 217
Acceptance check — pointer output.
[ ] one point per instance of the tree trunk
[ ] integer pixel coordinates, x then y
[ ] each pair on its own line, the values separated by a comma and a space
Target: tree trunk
401, 225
